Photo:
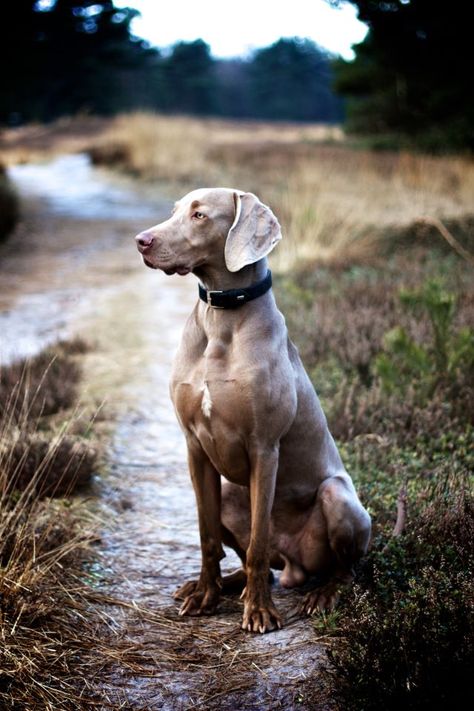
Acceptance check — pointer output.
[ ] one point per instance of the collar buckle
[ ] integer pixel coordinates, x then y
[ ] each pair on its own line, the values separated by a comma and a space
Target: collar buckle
209, 296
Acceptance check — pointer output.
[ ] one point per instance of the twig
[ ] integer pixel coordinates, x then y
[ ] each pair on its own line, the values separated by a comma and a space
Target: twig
401, 512
450, 239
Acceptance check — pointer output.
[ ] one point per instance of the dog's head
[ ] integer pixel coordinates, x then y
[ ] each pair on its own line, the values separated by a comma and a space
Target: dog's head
211, 226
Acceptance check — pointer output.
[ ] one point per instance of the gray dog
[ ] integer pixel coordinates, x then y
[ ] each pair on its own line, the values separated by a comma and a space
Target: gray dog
250, 414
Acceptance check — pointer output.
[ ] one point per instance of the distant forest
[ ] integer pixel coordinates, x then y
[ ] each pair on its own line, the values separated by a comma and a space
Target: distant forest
64, 56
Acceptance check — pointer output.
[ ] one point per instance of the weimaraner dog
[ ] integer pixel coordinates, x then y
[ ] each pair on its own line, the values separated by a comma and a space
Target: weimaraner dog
250, 414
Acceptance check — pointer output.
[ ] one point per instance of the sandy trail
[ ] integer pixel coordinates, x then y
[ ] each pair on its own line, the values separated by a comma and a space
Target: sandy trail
72, 269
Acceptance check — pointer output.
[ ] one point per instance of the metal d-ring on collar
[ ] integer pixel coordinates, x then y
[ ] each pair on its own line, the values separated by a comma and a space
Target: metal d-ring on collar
234, 298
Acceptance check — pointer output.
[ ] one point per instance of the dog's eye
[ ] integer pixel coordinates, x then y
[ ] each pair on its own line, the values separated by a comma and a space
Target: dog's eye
199, 216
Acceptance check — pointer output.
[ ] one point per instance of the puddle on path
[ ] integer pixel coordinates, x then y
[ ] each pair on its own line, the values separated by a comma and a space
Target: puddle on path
73, 247
69, 185
96, 285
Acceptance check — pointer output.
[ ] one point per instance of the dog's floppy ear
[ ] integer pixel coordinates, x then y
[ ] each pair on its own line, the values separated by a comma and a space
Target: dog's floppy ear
254, 232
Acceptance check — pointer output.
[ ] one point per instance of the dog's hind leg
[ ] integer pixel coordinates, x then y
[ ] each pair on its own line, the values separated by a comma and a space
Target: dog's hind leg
348, 534
235, 533
236, 581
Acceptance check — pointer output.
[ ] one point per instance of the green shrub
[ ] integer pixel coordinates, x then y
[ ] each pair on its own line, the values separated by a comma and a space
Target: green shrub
426, 366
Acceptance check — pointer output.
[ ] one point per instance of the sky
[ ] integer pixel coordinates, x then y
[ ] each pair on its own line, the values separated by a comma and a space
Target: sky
235, 28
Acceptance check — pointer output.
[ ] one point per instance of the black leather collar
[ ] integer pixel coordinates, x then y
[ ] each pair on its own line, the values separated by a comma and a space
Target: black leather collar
234, 298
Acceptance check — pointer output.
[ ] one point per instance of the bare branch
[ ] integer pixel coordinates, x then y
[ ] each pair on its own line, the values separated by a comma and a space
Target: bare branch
401, 512
450, 239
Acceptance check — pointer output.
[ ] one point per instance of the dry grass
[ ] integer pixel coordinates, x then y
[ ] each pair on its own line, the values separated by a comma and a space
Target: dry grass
183, 149
42, 622
42, 385
334, 202
46, 630
35, 142
341, 204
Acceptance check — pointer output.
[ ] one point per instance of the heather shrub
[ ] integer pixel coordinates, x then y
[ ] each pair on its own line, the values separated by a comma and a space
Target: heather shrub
406, 382
407, 625
390, 351
47, 465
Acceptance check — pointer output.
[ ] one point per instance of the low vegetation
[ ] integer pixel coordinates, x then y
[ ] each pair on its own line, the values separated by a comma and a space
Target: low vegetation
181, 149
47, 623
407, 626
390, 348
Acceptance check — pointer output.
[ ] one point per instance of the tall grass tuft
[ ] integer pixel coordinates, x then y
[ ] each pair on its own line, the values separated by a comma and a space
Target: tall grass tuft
40, 386
47, 625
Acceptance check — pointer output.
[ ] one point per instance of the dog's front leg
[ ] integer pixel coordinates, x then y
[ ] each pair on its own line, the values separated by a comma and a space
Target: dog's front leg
260, 614
201, 596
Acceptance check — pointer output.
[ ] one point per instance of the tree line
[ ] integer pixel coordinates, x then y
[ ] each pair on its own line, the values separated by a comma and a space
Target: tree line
412, 74
64, 56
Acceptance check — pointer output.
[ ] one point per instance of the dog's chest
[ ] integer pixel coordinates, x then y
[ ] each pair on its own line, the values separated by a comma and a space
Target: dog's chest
204, 385
212, 401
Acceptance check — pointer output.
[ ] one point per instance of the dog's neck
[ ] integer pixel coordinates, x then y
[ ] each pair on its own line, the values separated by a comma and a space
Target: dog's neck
219, 278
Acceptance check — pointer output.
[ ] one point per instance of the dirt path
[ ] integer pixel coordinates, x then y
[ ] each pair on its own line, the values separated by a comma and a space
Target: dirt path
75, 271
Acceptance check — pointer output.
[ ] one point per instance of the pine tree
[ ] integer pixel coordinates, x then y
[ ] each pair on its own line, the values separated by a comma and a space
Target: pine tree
412, 73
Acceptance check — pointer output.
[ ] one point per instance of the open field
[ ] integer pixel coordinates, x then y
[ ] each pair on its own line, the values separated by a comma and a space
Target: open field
381, 306
334, 202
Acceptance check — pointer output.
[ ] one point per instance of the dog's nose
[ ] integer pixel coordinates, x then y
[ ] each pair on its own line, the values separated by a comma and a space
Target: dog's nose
144, 239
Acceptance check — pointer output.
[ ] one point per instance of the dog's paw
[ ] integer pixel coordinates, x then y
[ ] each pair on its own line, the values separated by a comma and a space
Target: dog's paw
185, 590
323, 599
260, 617
199, 601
